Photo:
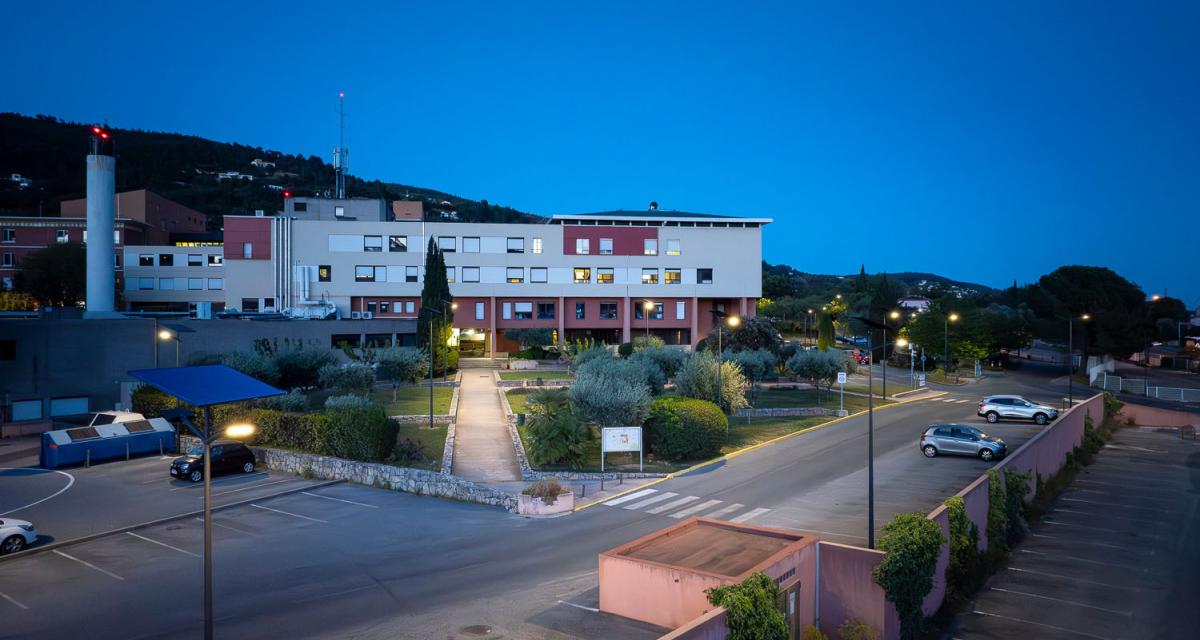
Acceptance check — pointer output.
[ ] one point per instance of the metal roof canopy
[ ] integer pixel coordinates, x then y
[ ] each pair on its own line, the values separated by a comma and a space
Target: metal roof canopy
206, 386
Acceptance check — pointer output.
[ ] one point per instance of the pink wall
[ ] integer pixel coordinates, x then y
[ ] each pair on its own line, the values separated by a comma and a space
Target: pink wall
849, 591
256, 231
1155, 417
710, 626
627, 241
623, 591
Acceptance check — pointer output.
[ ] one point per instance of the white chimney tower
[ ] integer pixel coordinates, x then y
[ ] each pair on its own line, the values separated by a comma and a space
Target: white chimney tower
101, 186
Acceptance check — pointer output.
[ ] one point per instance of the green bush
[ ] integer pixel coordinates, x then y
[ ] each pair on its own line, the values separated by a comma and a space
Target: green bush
911, 544
1112, 406
254, 364
668, 359
751, 612
295, 401
300, 368
685, 428
962, 570
656, 378
997, 519
625, 349
647, 342
350, 378
756, 364
401, 364
151, 402
697, 378
1016, 487
355, 430
555, 435
611, 392
547, 489
852, 629
812, 633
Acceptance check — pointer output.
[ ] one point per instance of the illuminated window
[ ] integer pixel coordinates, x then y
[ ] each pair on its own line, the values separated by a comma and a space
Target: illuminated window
537, 245
639, 313
215, 259
672, 276
449, 274
650, 246
673, 247
606, 246
604, 276
324, 273
514, 275
649, 276
583, 275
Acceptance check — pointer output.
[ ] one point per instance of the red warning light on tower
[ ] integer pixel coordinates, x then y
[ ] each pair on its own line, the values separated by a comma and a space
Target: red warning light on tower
287, 194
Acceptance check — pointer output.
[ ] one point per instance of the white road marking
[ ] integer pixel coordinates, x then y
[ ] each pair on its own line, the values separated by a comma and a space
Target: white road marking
1039, 624
632, 496
1091, 528
287, 513
163, 544
964, 401
200, 485
1075, 541
253, 486
696, 508
89, 565
70, 481
750, 514
1078, 559
13, 600
716, 515
666, 495
1062, 577
361, 504
1117, 505
673, 504
579, 606
335, 593
225, 526
1129, 447
1127, 614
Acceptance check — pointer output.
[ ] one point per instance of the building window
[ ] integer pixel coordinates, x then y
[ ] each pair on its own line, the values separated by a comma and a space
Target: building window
385, 307
606, 246
339, 211
364, 273
506, 311
673, 248
300, 207
523, 311
410, 274
704, 276
145, 259
268, 304
116, 237
582, 246
61, 236
373, 244
639, 311
146, 284
516, 245
649, 276
672, 276
650, 246
514, 275
538, 274
449, 274
324, 273
9, 235
608, 311
470, 274
166, 260
250, 305
397, 244
537, 245
479, 311
166, 284
247, 250
117, 260
604, 276
583, 275
8, 259
372, 307
448, 244
410, 306
680, 310
216, 284
215, 259
545, 310
195, 260
195, 284
580, 311
470, 244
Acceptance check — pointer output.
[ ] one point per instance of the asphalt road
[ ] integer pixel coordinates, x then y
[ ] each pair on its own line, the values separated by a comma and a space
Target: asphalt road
352, 561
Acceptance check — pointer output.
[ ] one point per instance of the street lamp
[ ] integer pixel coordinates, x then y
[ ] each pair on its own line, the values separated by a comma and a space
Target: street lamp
871, 419
647, 307
165, 335
808, 326
951, 317
447, 306
1071, 357
431, 311
720, 318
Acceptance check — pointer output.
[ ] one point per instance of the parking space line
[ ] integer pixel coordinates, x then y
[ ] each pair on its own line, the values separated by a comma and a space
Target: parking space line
1063, 577
361, 504
70, 482
1135, 497
335, 594
89, 565
163, 544
1117, 505
200, 485
1038, 624
225, 526
1091, 528
287, 513
1144, 521
1075, 541
253, 486
13, 600
1105, 563
1127, 614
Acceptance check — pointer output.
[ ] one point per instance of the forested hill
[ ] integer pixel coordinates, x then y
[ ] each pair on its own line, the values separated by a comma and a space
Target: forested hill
49, 153
781, 280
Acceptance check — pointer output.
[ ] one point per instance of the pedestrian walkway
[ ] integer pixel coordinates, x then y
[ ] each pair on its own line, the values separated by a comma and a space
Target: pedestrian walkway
674, 505
483, 450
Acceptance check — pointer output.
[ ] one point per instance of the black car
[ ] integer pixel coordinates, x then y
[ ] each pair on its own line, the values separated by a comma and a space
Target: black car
228, 456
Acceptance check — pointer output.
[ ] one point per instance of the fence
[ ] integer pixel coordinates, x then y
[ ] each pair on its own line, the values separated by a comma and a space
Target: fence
1138, 386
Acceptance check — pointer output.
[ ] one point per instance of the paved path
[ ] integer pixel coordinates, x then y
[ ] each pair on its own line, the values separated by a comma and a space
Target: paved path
483, 451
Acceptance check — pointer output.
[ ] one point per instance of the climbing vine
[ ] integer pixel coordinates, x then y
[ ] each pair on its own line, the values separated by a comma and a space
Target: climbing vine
911, 543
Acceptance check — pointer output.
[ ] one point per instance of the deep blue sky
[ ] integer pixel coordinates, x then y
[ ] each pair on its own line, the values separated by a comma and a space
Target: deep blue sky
985, 144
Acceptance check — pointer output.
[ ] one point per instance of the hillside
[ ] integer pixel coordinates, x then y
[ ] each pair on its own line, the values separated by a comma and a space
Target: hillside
780, 280
49, 153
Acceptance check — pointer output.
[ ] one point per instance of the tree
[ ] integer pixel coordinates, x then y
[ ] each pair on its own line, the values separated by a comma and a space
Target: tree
400, 364
697, 378
352, 378
611, 392
821, 367
825, 334
1117, 308
752, 333
435, 290
751, 612
55, 276
555, 434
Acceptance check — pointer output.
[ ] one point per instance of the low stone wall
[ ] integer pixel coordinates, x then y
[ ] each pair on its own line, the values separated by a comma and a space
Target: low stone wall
508, 384
384, 476
789, 412
448, 451
423, 418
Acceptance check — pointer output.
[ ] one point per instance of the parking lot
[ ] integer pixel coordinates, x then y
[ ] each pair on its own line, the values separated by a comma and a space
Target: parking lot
1116, 556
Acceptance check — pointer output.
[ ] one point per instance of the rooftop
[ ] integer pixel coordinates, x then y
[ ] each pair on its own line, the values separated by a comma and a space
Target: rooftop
711, 546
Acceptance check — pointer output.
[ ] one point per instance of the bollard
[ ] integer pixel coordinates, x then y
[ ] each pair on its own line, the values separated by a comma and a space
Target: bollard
620, 478
126, 452
87, 458
602, 483
583, 491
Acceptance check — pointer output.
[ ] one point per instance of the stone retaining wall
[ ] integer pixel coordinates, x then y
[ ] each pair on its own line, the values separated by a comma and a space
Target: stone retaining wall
448, 451
531, 383
423, 418
789, 412
384, 476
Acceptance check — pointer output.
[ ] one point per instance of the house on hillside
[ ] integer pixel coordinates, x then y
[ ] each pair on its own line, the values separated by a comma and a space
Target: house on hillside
920, 304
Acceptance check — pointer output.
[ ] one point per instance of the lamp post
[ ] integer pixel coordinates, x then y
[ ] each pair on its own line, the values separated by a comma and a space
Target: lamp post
871, 424
1071, 357
950, 317
647, 307
447, 306
893, 315
165, 335
808, 322
431, 311
720, 318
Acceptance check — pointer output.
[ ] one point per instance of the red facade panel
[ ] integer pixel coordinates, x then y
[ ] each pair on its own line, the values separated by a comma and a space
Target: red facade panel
627, 241
253, 231
591, 313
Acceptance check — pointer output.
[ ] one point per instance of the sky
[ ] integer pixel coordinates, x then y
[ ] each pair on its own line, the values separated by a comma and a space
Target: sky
984, 143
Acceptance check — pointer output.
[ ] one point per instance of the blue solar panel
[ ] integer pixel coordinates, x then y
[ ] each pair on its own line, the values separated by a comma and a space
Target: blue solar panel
207, 385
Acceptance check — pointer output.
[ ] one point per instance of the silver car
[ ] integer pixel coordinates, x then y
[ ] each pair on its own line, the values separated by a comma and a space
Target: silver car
995, 408
961, 439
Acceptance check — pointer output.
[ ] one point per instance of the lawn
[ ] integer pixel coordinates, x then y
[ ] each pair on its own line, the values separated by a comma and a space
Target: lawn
897, 381
517, 399
534, 375
413, 401
780, 398
432, 441
627, 462
743, 433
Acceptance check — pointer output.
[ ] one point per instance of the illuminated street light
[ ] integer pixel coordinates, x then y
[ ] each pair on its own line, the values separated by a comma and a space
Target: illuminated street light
239, 430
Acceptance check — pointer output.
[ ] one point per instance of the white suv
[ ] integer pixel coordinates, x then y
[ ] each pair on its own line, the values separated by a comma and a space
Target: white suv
995, 408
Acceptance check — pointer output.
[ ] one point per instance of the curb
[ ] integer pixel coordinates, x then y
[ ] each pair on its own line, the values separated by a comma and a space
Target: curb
734, 454
151, 523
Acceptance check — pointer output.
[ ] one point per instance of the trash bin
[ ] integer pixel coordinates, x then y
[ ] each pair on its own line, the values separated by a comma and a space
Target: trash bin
520, 419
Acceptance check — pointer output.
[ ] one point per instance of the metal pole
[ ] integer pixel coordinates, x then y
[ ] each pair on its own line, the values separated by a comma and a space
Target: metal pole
430, 371
155, 342
177, 343
208, 585
946, 351
884, 364
1070, 361
719, 329
871, 458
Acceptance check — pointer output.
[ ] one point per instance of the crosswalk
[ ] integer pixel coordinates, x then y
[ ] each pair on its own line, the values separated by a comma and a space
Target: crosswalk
950, 399
674, 505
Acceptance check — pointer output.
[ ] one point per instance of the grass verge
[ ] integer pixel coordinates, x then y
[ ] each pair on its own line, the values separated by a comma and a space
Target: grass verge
413, 401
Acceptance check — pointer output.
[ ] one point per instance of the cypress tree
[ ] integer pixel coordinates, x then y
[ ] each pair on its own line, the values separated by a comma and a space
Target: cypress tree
435, 290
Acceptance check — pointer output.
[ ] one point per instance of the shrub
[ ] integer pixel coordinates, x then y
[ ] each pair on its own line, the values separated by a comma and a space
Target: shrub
669, 359
625, 349
997, 518
547, 489
911, 543
1016, 487
349, 378
1112, 406
300, 368
555, 435
756, 364
697, 378
751, 612
349, 401
685, 428
151, 402
656, 378
812, 633
355, 429
964, 554
586, 354
408, 452
611, 392
753, 333
294, 401
821, 367
647, 342
254, 364
852, 629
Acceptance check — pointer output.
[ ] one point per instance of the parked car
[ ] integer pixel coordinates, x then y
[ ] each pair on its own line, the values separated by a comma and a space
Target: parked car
15, 535
961, 439
228, 456
995, 408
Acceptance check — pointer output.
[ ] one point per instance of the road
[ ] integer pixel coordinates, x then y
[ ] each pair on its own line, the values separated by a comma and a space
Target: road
352, 561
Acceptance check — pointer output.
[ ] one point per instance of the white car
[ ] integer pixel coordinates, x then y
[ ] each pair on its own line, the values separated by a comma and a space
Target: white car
15, 535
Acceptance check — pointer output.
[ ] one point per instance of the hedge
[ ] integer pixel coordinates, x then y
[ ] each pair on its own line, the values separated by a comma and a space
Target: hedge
685, 428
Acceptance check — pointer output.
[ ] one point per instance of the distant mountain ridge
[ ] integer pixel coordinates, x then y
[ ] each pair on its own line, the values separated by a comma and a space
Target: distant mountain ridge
782, 279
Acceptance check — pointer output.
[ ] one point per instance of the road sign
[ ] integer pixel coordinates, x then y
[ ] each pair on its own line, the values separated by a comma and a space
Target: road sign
841, 377
920, 380
620, 439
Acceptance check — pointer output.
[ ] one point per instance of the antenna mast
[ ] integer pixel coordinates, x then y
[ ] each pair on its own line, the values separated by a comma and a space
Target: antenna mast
340, 152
